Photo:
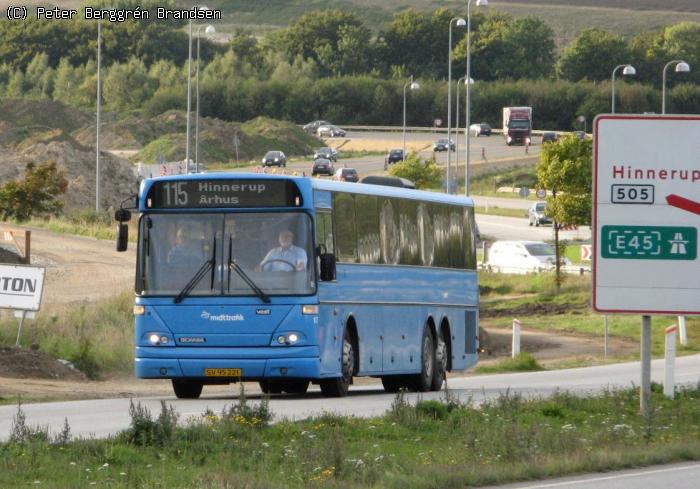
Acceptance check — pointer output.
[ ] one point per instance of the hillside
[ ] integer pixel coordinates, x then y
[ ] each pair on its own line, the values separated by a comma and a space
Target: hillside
567, 17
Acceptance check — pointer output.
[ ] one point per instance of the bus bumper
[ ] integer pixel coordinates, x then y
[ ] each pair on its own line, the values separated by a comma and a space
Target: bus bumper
152, 363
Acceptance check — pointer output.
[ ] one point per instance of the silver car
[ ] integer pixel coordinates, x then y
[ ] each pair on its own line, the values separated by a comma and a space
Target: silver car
537, 214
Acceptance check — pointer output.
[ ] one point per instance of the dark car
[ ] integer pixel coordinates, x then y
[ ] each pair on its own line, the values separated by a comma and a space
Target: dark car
274, 158
480, 129
329, 130
394, 156
442, 144
388, 181
327, 153
346, 175
322, 166
313, 126
549, 137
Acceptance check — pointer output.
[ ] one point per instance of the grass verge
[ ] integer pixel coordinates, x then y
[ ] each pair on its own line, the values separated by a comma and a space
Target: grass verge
437, 443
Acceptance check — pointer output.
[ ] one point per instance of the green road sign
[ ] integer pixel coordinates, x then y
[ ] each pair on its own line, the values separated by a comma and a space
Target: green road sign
649, 242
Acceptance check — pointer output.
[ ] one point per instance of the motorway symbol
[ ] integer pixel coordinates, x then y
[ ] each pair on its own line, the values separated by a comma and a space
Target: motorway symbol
683, 203
649, 242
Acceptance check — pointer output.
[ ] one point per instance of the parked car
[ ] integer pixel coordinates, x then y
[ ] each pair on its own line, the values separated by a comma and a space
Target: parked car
442, 144
480, 129
274, 158
394, 156
389, 181
329, 130
522, 257
537, 214
549, 137
326, 152
322, 166
312, 126
346, 175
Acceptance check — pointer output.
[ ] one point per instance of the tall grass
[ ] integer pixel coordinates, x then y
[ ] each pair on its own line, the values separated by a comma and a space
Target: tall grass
96, 337
415, 445
82, 222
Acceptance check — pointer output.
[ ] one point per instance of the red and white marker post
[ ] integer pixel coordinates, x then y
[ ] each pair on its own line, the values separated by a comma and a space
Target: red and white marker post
669, 377
516, 338
682, 334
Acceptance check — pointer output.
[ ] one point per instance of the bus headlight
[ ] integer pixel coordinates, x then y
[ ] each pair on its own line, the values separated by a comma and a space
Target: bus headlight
290, 338
157, 339
139, 310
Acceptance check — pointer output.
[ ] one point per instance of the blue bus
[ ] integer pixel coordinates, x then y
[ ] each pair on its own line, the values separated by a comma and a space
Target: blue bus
289, 281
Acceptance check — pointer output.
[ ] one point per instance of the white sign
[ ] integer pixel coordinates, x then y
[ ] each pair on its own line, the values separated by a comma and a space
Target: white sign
21, 287
646, 214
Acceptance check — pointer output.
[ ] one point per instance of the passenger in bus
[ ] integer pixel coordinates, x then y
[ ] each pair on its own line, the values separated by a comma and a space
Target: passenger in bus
186, 251
286, 257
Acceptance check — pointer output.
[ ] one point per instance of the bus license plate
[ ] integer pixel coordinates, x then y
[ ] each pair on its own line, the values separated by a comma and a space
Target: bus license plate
223, 372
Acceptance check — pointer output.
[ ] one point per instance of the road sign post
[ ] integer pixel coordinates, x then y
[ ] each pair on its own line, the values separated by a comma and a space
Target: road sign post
516, 338
646, 215
670, 362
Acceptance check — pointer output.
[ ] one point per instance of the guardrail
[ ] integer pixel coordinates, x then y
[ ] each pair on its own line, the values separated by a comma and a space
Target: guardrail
535, 132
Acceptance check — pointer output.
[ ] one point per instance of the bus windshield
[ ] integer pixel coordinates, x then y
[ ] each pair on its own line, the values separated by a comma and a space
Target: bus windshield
250, 254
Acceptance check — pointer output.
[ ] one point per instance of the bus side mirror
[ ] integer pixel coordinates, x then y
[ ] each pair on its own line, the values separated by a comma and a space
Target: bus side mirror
122, 236
327, 267
122, 215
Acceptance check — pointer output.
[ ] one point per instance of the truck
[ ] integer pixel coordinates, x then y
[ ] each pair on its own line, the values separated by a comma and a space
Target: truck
517, 125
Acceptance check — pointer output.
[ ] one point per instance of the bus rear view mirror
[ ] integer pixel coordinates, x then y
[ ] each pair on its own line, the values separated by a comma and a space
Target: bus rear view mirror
327, 266
122, 215
122, 236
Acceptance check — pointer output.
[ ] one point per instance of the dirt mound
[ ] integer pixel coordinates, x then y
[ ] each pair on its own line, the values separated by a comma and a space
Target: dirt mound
536, 309
42, 114
19, 363
132, 132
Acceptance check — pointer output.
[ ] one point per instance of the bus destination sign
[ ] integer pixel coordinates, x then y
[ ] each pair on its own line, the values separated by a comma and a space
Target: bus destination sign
223, 193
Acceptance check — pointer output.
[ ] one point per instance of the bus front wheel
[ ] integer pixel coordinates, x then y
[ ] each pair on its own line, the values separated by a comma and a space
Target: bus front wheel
187, 389
338, 387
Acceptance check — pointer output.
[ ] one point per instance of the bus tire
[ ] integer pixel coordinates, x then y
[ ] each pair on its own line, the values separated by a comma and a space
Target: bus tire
187, 389
393, 383
338, 387
424, 380
439, 371
295, 386
269, 386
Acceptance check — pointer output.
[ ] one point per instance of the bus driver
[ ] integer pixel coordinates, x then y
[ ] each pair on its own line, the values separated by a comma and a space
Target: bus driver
286, 257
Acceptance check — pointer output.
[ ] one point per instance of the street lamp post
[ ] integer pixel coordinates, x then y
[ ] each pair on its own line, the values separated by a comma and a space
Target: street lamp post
189, 89
97, 126
460, 23
628, 70
414, 86
459, 83
681, 67
209, 30
479, 3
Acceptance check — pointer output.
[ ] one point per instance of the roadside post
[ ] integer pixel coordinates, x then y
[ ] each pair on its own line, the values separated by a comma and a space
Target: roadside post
21, 288
645, 222
682, 333
516, 338
670, 362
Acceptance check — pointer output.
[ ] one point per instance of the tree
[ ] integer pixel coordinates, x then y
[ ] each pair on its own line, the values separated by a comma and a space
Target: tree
565, 170
507, 48
425, 174
127, 85
40, 77
593, 55
37, 195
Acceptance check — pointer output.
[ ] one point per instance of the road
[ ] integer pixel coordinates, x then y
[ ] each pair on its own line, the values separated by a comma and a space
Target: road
101, 418
679, 476
498, 227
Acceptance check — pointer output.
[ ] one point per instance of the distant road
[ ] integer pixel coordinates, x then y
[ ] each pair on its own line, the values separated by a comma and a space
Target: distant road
498, 227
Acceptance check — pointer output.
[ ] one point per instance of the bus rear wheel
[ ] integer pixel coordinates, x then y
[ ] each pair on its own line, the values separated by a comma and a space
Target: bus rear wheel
338, 387
439, 371
187, 389
424, 380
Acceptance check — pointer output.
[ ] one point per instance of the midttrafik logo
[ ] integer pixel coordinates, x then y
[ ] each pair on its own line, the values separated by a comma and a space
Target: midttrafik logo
207, 316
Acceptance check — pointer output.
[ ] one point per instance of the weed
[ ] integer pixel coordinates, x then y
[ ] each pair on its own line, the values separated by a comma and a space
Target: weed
21, 433
64, 436
145, 431
246, 414
84, 359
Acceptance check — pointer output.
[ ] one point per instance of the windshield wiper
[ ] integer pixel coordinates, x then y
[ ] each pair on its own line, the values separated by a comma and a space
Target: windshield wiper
232, 265
206, 266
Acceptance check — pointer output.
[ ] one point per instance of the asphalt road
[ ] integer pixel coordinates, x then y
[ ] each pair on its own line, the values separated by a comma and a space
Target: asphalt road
679, 476
101, 418
498, 227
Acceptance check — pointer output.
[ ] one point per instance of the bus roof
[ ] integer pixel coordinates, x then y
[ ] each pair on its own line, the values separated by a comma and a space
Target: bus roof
305, 184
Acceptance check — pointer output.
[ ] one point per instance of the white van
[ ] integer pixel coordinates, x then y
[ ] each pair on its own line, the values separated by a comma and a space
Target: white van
522, 257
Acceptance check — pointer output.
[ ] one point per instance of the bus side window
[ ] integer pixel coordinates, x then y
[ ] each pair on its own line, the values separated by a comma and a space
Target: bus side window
324, 231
